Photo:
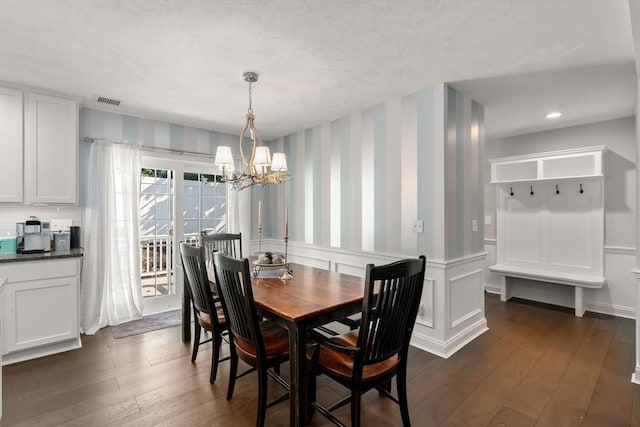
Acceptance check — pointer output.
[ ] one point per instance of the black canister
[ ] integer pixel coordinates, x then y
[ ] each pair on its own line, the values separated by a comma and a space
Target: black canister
75, 237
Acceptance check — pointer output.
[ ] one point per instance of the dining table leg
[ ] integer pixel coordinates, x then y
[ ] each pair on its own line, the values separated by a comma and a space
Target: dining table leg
298, 377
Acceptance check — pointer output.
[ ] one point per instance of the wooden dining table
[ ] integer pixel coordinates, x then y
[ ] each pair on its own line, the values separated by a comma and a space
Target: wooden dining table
313, 297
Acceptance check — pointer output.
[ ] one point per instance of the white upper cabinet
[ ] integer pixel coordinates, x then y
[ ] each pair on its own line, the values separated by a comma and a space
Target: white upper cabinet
566, 164
51, 150
11, 145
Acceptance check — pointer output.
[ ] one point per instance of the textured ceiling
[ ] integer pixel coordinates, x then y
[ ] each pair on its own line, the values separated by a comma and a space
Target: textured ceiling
182, 60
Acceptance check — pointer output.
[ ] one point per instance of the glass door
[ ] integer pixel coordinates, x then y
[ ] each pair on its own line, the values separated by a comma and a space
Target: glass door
178, 200
157, 238
205, 204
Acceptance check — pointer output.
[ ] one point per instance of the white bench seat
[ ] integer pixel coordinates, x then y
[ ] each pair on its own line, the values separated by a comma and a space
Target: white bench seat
579, 282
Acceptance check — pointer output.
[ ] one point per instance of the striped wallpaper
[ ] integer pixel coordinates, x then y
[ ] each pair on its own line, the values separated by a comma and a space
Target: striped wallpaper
151, 133
360, 181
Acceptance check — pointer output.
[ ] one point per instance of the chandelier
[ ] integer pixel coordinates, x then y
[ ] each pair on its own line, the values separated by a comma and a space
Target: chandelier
256, 166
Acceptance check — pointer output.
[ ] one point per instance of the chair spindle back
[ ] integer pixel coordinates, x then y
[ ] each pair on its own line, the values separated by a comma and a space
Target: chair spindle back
193, 263
391, 301
234, 286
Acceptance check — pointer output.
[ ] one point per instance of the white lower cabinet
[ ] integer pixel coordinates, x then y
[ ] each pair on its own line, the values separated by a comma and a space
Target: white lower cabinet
39, 308
3, 281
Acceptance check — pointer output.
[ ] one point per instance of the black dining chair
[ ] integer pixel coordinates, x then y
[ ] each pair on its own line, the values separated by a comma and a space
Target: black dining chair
208, 315
227, 243
371, 356
261, 344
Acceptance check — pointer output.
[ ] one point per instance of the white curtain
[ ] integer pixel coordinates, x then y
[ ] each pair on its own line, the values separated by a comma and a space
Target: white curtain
233, 221
110, 292
240, 201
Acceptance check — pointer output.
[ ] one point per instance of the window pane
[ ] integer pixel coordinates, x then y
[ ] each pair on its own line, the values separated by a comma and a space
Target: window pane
191, 227
205, 202
221, 191
191, 176
208, 205
217, 224
147, 209
146, 185
162, 228
209, 189
191, 209
147, 227
163, 209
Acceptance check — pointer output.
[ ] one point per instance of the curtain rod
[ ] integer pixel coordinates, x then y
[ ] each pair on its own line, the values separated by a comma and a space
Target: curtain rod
147, 148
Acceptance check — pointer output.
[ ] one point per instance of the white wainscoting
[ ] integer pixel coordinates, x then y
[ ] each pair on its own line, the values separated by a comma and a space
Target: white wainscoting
451, 311
328, 258
425, 314
465, 297
457, 304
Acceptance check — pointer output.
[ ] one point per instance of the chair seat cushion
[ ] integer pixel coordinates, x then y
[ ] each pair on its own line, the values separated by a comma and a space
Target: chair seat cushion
275, 338
205, 320
340, 365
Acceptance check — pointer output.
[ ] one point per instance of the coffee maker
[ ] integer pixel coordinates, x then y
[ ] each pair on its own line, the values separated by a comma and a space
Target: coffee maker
33, 236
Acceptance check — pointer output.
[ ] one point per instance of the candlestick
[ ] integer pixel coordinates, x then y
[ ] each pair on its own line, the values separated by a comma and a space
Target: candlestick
287, 273
286, 223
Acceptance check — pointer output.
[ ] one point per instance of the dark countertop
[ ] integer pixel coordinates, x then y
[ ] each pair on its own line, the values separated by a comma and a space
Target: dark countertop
40, 256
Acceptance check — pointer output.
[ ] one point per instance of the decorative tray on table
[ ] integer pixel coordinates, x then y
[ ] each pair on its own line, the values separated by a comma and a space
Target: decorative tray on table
268, 266
269, 261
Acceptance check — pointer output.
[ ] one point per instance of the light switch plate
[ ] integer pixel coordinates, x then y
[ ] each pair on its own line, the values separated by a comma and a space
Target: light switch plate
474, 225
418, 226
487, 220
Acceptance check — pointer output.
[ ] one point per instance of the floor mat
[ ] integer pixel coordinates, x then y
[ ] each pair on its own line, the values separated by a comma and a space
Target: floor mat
148, 324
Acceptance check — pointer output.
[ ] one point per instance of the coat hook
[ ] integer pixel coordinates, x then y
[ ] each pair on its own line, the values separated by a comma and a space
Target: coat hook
532, 190
581, 190
511, 190
557, 191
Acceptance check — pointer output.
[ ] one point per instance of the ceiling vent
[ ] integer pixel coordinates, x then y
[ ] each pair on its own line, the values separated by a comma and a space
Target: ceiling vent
103, 100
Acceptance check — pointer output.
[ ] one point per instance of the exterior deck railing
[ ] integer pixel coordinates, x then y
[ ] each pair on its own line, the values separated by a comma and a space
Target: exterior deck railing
155, 262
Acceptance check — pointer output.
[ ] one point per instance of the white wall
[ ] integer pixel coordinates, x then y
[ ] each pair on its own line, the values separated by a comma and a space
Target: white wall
618, 296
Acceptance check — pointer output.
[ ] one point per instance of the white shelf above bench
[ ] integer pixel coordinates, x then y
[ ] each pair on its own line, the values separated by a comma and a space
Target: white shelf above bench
577, 163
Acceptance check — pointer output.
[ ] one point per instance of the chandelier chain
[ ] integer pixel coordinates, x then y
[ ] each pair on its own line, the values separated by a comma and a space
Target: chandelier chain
250, 109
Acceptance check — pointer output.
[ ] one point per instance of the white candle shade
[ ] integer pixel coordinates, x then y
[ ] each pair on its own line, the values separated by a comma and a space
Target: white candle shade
224, 156
279, 162
263, 156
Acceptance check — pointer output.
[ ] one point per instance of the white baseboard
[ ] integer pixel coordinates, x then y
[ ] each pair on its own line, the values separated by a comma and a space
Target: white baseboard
593, 306
492, 288
610, 309
635, 377
21, 356
446, 349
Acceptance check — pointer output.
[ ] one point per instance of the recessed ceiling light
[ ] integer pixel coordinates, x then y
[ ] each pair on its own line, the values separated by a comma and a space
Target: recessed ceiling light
553, 115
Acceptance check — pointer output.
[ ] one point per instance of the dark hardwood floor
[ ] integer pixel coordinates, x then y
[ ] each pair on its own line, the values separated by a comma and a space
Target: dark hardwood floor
537, 365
